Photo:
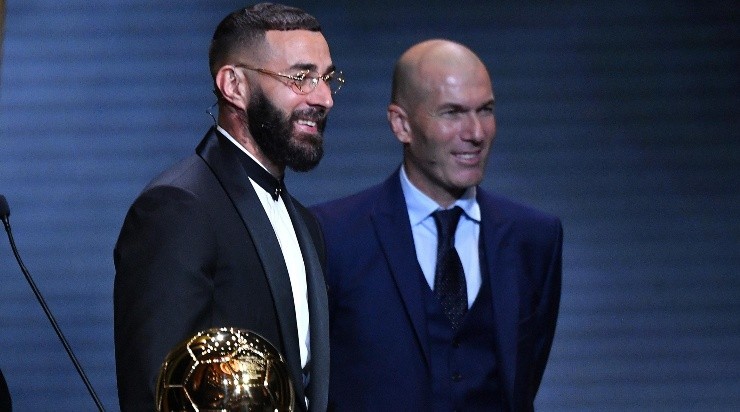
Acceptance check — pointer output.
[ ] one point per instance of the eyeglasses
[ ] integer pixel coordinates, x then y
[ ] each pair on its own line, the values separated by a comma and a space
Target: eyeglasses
305, 81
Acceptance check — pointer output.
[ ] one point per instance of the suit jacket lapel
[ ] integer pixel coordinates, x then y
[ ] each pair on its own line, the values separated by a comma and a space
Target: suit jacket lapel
318, 387
504, 290
393, 228
223, 159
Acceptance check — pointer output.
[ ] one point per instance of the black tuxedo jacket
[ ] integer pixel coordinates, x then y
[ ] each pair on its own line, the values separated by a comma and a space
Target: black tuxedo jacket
196, 251
5, 402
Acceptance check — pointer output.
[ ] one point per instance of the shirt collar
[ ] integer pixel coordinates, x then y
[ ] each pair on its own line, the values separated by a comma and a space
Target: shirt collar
256, 171
242, 148
420, 206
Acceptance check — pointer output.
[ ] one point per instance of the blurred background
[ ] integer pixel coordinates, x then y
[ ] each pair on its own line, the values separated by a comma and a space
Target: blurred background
619, 117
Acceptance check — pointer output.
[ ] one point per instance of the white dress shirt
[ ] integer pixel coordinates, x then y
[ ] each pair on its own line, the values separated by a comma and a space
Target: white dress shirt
283, 226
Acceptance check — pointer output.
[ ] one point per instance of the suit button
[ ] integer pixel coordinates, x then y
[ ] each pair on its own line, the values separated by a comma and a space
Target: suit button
456, 377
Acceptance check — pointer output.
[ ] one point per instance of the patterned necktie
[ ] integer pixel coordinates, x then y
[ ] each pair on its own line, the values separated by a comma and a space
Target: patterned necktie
449, 277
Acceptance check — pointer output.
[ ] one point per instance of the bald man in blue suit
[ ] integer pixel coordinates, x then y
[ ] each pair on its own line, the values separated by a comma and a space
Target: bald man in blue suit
394, 346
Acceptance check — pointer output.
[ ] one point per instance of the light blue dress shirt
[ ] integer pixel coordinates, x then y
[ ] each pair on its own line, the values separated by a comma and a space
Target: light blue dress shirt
420, 209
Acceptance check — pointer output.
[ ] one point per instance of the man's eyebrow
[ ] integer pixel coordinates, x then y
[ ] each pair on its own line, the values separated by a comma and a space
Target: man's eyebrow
462, 108
311, 67
453, 106
491, 102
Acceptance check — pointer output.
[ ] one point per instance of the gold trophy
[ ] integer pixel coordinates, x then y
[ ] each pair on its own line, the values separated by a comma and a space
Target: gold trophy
225, 370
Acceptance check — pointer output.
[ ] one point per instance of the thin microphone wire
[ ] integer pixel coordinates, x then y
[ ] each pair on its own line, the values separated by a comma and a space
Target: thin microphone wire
27, 274
209, 110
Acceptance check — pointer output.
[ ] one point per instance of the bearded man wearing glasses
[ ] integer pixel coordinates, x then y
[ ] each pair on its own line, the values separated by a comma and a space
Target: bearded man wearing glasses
216, 240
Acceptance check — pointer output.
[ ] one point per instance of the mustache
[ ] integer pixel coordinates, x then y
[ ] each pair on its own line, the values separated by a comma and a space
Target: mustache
314, 114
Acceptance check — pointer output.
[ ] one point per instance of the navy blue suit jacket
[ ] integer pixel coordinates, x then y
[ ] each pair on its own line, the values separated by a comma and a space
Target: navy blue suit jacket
379, 344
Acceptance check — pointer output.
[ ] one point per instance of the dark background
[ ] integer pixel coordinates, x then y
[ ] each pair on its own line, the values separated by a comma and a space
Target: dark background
620, 118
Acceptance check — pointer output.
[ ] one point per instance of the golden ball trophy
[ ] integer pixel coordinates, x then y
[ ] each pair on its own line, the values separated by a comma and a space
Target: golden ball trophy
225, 370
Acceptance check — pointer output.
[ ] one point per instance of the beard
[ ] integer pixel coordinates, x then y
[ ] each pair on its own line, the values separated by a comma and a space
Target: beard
275, 133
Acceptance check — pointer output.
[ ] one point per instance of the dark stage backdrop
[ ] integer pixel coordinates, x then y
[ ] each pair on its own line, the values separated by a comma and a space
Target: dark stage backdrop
620, 117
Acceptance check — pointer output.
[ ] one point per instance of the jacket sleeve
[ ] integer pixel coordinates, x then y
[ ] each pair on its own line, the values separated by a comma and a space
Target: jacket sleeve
547, 309
162, 287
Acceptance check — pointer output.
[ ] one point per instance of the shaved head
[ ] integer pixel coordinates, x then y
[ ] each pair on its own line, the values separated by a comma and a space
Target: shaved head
425, 65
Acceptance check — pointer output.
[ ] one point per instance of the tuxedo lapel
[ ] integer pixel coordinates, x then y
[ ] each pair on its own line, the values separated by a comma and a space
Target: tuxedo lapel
504, 290
391, 221
224, 160
318, 311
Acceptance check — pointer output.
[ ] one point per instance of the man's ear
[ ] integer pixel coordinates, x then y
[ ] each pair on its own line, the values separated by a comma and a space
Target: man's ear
233, 85
399, 122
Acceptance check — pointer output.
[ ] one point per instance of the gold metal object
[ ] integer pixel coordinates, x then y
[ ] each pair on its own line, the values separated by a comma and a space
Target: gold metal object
225, 370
